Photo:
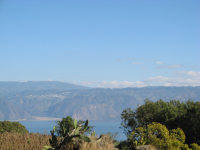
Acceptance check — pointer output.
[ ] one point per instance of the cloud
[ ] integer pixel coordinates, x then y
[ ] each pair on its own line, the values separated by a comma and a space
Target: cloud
190, 78
192, 73
159, 62
157, 79
172, 66
114, 84
162, 65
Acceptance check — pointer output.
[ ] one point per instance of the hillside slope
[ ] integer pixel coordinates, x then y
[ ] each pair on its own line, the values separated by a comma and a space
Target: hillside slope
82, 103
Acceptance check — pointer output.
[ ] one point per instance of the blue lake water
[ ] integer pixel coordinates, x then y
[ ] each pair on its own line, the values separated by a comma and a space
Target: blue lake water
100, 127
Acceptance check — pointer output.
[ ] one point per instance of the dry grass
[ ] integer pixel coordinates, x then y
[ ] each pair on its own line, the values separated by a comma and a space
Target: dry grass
31, 141
146, 147
102, 143
28, 141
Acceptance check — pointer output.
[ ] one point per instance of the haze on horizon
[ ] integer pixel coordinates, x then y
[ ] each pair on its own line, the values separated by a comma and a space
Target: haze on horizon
101, 43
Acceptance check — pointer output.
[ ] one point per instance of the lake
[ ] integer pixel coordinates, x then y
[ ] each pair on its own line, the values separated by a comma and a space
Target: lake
100, 127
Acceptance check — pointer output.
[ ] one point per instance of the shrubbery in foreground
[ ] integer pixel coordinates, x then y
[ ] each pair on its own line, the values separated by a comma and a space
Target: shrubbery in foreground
146, 128
173, 114
157, 135
70, 134
7, 126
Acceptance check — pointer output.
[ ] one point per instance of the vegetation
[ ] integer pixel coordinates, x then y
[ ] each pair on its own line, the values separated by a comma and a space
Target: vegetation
104, 142
182, 120
70, 134
173, 114
7, 126
26, 141
195, 146
67, 132
160, 125
159, 136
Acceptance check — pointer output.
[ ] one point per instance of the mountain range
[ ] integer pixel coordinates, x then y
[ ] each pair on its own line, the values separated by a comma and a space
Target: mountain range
50, 99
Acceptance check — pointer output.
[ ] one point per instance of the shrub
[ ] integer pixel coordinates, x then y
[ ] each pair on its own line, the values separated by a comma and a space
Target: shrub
173, 114
104, 142
7, 126
159, 136
67, 133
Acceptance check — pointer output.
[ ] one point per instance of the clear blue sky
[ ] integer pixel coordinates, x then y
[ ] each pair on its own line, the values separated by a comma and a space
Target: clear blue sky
107, 43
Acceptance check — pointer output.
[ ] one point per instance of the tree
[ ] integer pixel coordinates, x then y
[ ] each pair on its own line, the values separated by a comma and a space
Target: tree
190, 122
7, 126
159, 136
129, 121
173, 114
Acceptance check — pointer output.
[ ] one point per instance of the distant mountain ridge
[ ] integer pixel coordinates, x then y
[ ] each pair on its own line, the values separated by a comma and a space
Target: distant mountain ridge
32, 100
13, 86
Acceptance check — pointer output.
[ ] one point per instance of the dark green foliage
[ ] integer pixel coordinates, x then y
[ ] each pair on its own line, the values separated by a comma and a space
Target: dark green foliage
7, 126
129, 122
156, 136
190, 122
159, 136
69, 131
174, 114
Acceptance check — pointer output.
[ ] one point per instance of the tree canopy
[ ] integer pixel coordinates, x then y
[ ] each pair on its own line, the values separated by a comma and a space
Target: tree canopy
173, 114
158, 135
7, 126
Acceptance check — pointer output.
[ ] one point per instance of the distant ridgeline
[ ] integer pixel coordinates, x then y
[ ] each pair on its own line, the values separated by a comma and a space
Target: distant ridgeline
33, 100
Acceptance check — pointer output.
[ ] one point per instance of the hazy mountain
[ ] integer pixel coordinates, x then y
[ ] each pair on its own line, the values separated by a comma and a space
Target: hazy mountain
9, 111
103, 104
56, 99
14, 87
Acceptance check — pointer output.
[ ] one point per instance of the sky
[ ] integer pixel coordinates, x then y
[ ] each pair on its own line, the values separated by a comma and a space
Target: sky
107, 43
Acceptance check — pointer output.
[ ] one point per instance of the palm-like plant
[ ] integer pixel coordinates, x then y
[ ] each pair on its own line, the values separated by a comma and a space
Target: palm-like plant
67, 131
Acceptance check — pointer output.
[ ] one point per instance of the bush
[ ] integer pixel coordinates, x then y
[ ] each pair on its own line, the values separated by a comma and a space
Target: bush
159, 136
7, 126
67, 133
173, 114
